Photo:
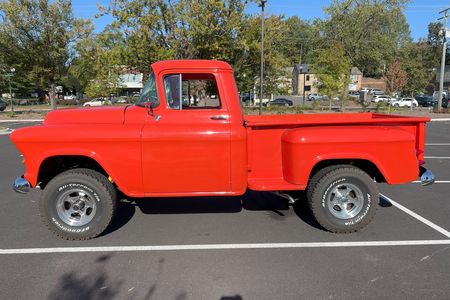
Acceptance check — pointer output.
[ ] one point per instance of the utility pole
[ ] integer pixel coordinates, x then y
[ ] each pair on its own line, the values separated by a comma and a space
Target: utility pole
9, 75
262, 5
444, 49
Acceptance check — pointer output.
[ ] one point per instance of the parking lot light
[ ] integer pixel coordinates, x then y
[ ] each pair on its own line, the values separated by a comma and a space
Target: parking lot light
9, 75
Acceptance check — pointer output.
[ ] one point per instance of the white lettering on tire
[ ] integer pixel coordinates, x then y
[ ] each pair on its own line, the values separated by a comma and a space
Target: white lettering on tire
73, 230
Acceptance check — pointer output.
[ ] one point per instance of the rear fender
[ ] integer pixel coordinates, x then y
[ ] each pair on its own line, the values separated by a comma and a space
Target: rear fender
391, 149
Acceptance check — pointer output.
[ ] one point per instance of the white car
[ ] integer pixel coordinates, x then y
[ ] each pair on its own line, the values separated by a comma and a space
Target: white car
382, 98
70, 97
405, 102
97, 102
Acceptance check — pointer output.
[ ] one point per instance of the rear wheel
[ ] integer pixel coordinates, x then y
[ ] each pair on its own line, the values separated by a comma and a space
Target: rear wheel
78, 204
342, 199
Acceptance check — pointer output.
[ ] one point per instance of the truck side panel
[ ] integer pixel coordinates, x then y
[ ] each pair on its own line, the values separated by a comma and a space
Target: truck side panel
302, 148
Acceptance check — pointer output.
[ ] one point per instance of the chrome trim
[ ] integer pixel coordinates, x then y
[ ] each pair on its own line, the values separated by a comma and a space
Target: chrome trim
426, 177
21, 185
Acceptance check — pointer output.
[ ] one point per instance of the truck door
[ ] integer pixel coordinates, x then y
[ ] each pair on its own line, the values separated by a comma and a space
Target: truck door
188, 149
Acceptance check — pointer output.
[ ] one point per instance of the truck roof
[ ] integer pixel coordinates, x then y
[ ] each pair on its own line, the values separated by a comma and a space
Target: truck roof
190, 64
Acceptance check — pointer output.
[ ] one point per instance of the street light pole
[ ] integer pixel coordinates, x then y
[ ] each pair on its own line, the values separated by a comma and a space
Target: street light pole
262, 5
444, 49
9, 75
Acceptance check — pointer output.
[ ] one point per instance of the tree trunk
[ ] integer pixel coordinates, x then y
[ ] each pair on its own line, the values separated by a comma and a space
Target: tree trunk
52, 96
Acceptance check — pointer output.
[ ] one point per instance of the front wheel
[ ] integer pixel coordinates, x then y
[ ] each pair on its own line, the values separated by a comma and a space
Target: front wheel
78, 204
342, 199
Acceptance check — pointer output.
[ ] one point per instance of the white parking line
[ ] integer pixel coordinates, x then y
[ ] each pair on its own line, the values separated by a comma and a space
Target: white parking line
223, 247
438, 144
437, 157
437, 181
21, 121
440, 119
416, 216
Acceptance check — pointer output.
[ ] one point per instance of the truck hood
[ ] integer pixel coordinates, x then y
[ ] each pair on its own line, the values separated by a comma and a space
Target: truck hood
100, 115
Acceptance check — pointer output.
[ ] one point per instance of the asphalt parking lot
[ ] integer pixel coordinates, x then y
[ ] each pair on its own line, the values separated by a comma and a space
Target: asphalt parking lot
250, 247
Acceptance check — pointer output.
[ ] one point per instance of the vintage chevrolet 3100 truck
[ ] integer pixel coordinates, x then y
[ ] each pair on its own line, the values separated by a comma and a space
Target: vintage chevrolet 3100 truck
187, 136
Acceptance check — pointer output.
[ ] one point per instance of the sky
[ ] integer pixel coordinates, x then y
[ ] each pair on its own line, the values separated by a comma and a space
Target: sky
419, 13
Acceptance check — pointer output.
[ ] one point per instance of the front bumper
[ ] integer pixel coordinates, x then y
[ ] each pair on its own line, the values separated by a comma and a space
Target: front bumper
426, 176
21, 185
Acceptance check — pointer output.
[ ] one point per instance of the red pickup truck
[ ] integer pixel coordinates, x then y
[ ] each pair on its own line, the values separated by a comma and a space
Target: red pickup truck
187, 136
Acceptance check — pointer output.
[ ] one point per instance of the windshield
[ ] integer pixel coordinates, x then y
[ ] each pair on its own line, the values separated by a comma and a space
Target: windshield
149, 94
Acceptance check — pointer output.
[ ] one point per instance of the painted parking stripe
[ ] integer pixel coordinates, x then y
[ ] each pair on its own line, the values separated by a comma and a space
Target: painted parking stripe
223, 247
416, 216
437, 144
437, 157
21, 121
437, 181
440, 119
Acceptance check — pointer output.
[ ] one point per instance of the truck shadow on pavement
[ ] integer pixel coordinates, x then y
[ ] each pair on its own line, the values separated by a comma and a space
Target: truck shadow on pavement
275, 206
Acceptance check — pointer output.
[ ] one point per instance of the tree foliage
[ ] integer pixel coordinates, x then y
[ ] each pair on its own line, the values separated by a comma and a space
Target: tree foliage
47, 45
395, 77
332, 68
36, 36
371, 31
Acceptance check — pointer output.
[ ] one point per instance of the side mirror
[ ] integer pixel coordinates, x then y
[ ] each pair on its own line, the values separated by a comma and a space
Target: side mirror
149, 107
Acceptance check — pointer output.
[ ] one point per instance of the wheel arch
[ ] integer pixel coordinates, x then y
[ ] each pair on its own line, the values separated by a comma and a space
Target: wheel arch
54, 165
365, 165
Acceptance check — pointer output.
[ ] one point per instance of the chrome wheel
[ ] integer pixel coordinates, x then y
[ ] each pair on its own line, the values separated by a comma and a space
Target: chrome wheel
345, 201
76, 207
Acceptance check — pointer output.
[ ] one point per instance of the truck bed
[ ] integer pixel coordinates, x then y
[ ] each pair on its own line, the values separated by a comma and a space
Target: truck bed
265, 134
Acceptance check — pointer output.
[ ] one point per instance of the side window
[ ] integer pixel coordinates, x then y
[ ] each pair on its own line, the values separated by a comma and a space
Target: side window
191, 91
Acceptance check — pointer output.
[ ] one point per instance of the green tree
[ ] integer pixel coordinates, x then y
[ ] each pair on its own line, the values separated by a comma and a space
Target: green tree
99, 61
300, 40
170, 29
332, 68
371, 31
415, 62
36, 36
274, 59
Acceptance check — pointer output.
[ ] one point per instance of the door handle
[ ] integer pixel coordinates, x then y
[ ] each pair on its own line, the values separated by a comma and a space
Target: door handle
219, 117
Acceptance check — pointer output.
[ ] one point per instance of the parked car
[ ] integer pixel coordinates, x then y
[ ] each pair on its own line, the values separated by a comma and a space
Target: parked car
279, 102
382, 98
377, 91
405, 102
425, 100
445, 101
2, 105
70, 97
353, 94
97, 102
316, 96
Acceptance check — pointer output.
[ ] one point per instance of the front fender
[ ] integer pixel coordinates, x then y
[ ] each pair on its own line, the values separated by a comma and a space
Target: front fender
391, 149
116, 148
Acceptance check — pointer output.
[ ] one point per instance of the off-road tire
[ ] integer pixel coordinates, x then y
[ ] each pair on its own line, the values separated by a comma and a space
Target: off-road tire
96, 185
320, 190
